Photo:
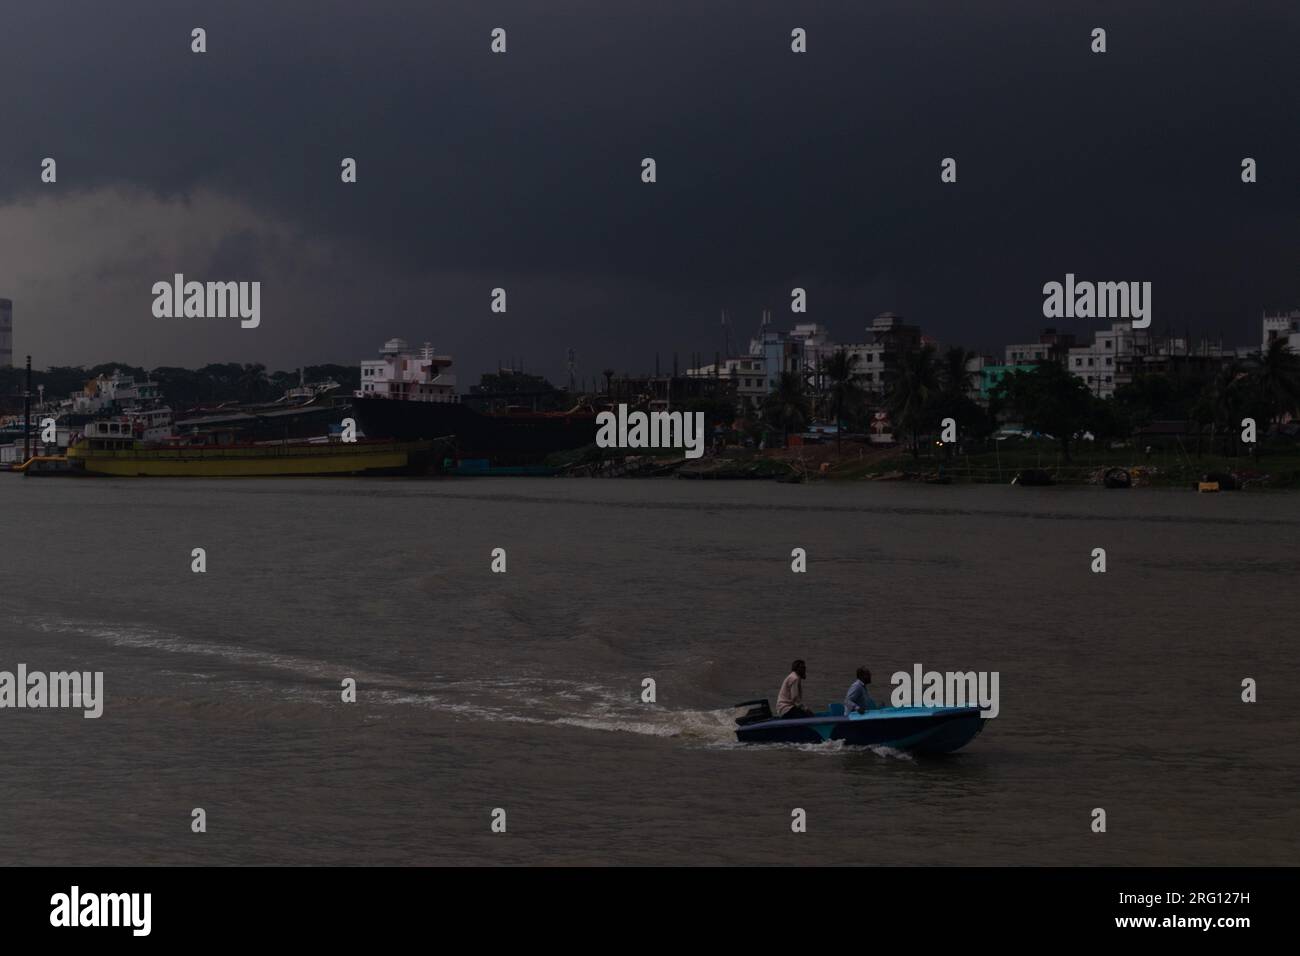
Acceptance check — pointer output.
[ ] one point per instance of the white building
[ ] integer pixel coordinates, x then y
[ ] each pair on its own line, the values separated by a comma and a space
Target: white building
815, 345
1026, 353
1098, 364
871, 365
1283, 325
975, 366
777, 352
805, 348
402, 373
749, 373
1118, 356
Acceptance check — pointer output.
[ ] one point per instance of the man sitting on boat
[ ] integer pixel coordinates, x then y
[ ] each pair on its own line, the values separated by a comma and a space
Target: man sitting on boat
857, 700
789, 700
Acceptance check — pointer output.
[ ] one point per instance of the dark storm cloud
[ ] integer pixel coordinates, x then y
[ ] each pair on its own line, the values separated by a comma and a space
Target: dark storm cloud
774, 169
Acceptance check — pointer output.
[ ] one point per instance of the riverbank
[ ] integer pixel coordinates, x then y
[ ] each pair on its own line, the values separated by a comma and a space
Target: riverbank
1275, 469
1159, 469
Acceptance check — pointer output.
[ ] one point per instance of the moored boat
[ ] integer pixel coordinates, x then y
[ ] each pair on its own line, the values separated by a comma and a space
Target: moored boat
516, 437
125, 456
408, 396
49, 466
1117, 478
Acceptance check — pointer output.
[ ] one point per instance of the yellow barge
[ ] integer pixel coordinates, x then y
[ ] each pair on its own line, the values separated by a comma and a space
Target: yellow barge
126, 456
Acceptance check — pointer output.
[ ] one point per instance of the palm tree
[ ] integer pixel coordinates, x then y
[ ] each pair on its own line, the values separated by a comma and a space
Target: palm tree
1202, 411
955, 376
912, 389
841, 370
787, 406
955, 380
1223, 400
1278, 379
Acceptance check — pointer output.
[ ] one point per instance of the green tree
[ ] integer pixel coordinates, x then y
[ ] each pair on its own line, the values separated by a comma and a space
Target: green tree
912, 391
107, 369
220, 381
1277, 379
844, 390
954, 399
182, 388
1051, 400
786, 407
1223, 403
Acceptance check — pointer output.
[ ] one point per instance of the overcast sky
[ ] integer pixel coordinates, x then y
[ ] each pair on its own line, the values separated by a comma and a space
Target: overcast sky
523, 171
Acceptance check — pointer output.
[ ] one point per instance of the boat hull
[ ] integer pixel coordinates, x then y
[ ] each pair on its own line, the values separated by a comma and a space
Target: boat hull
511, 439
257, 462
917, 729
50, 466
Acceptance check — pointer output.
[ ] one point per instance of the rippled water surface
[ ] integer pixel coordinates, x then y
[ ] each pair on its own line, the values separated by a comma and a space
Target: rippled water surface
522, 691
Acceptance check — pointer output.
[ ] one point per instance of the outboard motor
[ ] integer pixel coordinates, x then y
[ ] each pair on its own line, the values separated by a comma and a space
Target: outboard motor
759, 710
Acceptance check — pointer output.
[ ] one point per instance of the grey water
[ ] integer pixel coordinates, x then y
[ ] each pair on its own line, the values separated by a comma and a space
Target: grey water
522, 691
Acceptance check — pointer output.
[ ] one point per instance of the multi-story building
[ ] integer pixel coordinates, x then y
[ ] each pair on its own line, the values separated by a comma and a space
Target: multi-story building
870, 366
890, 332
667, 392
1097, 364
1025, 352
814, 347
1052, 346
1283, 325
748, 374
804, 350
778, 354
402, 373
1122, 354
888, 337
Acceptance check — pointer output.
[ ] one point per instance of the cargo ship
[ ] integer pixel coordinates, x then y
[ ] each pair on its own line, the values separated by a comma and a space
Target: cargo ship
514, 437
109, 448
409, 396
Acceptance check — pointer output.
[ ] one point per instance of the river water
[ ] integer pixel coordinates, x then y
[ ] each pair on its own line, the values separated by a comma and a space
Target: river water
521, 691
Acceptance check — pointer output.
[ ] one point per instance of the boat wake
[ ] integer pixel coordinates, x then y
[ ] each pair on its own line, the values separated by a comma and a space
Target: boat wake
247, 674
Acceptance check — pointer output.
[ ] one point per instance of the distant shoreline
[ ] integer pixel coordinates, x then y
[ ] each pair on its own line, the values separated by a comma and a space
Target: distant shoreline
1159, 469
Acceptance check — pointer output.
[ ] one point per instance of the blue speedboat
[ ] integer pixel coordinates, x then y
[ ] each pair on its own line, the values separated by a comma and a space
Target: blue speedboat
930, 730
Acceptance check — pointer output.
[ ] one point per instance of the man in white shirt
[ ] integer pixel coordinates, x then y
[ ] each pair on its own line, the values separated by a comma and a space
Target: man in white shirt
789, 700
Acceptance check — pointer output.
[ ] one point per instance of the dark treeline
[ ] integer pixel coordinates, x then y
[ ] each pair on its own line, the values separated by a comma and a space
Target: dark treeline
924, 387
182, 388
